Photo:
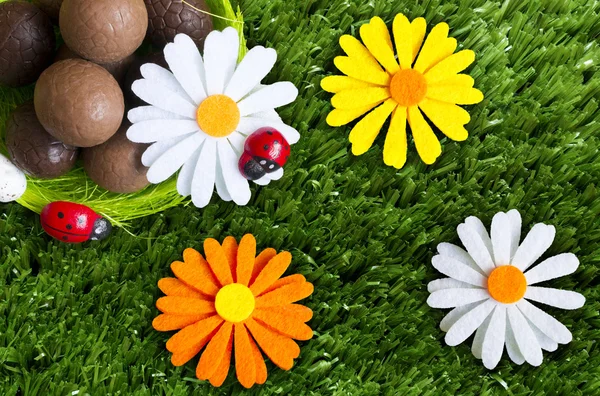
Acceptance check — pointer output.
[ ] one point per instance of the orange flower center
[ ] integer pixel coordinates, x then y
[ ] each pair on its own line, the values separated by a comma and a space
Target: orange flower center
218, 115
235, 302
408, 87
507, 284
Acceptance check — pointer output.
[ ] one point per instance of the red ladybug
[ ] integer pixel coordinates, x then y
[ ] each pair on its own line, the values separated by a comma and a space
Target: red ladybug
265, 151
73, 223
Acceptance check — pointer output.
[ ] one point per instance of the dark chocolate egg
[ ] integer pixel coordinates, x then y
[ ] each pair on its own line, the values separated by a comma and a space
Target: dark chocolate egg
34, 150
79, 103
167, 18
50, 7
26, 43
116, 165
103, 31
134, 73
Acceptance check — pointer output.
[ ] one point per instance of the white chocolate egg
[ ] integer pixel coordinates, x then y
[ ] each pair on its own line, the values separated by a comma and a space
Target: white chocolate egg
12, 181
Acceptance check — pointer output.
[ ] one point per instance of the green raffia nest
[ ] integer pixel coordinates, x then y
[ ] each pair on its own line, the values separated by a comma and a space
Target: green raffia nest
120, 209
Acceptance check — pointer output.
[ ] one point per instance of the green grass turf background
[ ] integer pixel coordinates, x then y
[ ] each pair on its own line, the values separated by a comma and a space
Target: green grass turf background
79, 317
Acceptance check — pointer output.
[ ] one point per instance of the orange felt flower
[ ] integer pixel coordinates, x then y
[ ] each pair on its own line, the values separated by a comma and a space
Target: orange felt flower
234, 302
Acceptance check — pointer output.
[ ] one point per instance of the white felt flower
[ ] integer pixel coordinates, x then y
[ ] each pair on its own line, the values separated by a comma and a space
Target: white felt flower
489, 286
201, 112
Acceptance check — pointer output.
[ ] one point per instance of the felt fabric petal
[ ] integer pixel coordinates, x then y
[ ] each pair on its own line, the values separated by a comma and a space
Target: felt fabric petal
457, 253
278, 174
447, 283
456, 94
182, 357
255, 66
459, 271
173, 159
468, 323
450, 298
418, 28
395, 147
149, 113
366, 130
152, 131
156, 150
281, 350
403, 39
261, 262
187, 65
339, 117
477, 345
493, 341
176, 305
436, 48
554, 267
175, 287
221, 187
545, 323
376, 37
220, 59
449, 118
537, 241
268, 97
230, 247
245, 259
457, 313
476, 224
237, 185
515, 230
511, 346
214, 352
288, 280
272, 271
335, 84
428, 145
215, 255
165, 99
237, 140
299, 312
286, 325
476, 247
250, 124
221, 373
362, 72
245, 366
166, 322
524, 337
358, 53
460, 80
546, 343
260, 366
285, 295
501, 238
361, 97
564, 299
164, 77
194, 334
450, 66
196, 273
203, 183
186, 175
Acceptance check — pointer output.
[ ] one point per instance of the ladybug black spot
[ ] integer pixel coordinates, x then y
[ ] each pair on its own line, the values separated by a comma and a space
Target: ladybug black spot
65, 238
287, 148
269, 132
69, 227
61, 215
266, 147
276, 142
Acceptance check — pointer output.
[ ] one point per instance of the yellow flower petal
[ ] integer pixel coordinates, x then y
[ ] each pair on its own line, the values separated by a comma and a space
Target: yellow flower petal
418, 27
364, 133
394, 150
376, 37
403, 39
463, 80
361, 71
450, 66
342, 117
455, 94
358, 52
335, 84
449, 118
428, 145
437, 47
353, 98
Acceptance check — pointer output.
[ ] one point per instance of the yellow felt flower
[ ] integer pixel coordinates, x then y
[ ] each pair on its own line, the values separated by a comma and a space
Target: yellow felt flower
405, 86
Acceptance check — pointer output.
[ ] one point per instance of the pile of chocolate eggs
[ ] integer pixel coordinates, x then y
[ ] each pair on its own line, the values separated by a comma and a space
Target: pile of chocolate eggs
82, 88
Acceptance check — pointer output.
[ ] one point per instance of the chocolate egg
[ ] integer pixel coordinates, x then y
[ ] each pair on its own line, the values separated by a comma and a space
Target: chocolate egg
116, 165
103, 31
50, 7
26, 43
134, 74
167, 18
79, 103
33, 149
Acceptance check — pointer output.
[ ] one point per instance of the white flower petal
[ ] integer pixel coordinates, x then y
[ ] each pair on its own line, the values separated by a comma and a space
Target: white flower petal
162, 98
237, 185
220, 183
157, 149
477, 249
534, 245
515, 230
450, 298
457, 270
148, 113
255, 66
458, 253
251, 124
564, 299
186, 176
203, 183
511, 346
468, 323
524, 337
554, 267
269, 114
173, 159
185, 61
546, 343
477, 346
501, 238
447, 283
153, 131
165, 78
476, 224
546, 323
237, 141
263, 181
268, 97
220, 59
278, 174
457, 313
493, 341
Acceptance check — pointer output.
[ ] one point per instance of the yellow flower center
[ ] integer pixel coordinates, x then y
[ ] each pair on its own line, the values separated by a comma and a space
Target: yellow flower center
408, 87
234, 302
218, 115
507, 284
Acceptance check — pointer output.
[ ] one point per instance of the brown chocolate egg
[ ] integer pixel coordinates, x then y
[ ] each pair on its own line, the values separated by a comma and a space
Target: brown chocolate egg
103, 31
79, 103
134, 73
34, 150
26, 43
116, 165
167, 18
50, 7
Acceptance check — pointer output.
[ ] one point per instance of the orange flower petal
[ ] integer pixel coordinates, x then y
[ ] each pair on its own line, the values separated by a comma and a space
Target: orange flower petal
165, 322
272, 271
175, 287
221, 373
193, 335
182, 357
245, 366
261, 367
281, 350
245, 259
195, 272
284, 323
298, 311
215, 255
230, 247
285, 295
184, 305
214, 352
296, 278
261, 262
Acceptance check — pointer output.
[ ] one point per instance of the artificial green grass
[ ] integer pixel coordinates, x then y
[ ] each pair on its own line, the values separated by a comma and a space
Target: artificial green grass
78, 318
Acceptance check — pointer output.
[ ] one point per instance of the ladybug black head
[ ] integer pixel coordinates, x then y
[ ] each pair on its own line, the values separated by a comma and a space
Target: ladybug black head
253, 170
101, 230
